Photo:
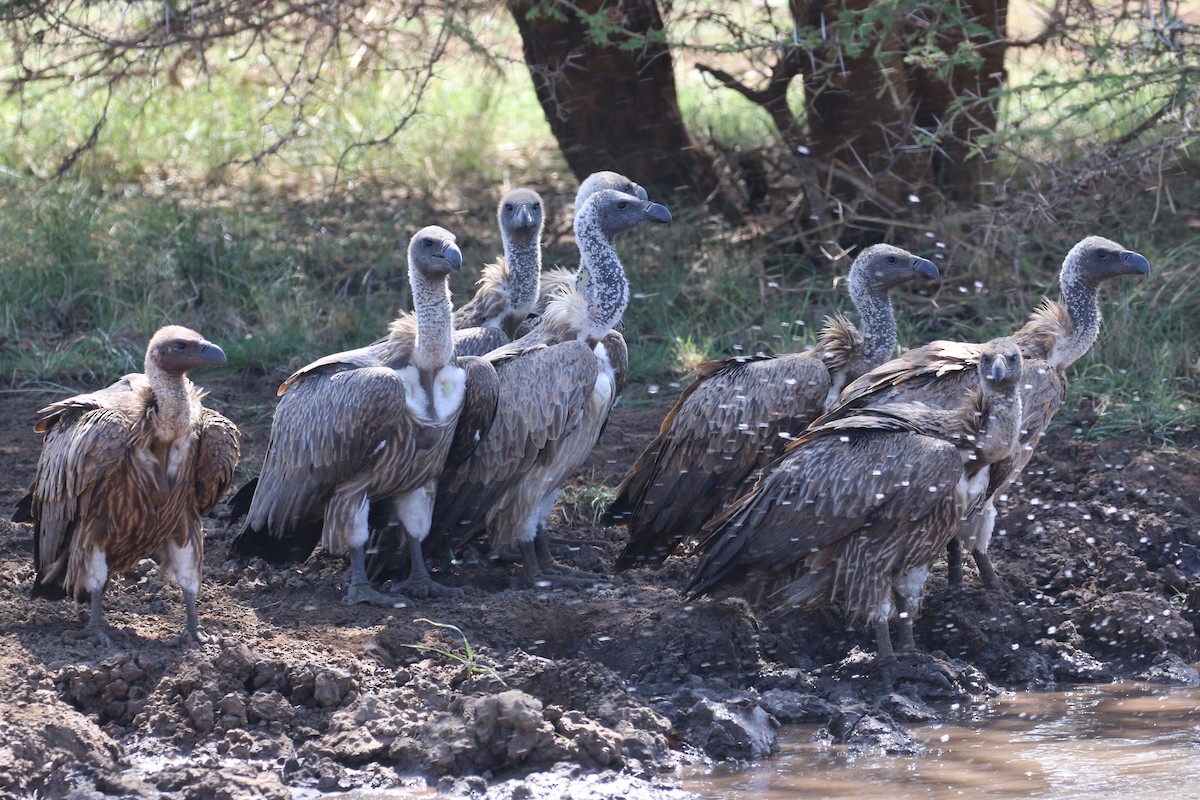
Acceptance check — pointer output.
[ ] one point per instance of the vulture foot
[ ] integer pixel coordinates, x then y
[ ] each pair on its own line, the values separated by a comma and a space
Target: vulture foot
424, 587
98, 633
190, 637
365, 594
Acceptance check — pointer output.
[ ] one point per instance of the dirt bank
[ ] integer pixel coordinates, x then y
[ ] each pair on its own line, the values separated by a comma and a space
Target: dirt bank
601, 690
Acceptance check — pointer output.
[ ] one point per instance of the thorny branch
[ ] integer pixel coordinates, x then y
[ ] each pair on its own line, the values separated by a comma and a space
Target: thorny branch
295, 45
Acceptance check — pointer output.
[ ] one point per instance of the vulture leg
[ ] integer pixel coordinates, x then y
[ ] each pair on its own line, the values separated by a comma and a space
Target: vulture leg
96, 627
185, 563
536, 576
360, 589
987, 573
954, 565
415, 511
883, 642
550, 566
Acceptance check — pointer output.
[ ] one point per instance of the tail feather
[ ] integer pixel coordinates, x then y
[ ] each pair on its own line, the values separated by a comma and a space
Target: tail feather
290, 547
24, 509
239, 504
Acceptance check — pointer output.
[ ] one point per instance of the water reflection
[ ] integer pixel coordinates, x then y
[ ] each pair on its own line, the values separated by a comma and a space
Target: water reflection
1090, 742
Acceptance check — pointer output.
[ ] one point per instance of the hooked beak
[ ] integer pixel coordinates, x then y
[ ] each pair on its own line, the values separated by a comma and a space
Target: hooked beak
657, 213
1135, 262
453, 255
926, 269
999, 370
212, 355
524, 216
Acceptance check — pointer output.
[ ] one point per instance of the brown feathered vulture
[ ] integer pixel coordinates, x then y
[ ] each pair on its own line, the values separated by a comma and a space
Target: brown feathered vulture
372, 426
858, 508
557, 386
1057, 335
128, 472
737, 415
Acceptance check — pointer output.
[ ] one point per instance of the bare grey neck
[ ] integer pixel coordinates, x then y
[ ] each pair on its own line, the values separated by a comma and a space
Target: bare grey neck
877, 321
1001, 427
601, 278
434, 346
523, 254
1082, 300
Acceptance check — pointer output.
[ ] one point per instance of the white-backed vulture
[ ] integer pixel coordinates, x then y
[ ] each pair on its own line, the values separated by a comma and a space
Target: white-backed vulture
562, 279
557, 386
738, 414
858, 508
128, 472
508, 289
1056, 336
369, 426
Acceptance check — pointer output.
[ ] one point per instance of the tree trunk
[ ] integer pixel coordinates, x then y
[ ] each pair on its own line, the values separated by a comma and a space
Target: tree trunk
608, 91
887, 128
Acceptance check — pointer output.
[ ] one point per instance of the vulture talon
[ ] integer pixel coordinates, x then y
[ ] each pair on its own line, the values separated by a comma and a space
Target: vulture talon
426, 587
366, 594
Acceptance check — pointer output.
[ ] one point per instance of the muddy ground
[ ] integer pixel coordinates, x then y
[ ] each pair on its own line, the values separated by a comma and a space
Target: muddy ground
592, 693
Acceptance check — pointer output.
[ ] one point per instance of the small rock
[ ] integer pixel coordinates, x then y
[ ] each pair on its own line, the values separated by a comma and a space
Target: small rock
737, 730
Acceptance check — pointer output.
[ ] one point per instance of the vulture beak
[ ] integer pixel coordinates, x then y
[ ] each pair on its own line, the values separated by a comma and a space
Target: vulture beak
926, 269
452, 254
657, 213
524, 216
1136, 263
640, 193
211, 354
999, 370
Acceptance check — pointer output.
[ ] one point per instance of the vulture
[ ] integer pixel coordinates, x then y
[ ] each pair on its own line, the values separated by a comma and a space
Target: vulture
128, 472
508, 289
738, 413
562, 279
557, 386
372, 426
859, 506
1057, 335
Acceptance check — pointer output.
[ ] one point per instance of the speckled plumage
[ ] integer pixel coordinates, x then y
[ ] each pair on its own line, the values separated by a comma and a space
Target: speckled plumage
129, 471
737, 415
1057, 335
860, 505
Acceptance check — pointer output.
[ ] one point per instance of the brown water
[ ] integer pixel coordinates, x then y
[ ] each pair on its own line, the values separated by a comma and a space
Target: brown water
1132, 741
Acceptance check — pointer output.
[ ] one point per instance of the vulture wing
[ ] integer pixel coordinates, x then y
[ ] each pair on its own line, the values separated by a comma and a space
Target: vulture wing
732, 420
865, 484
329, 429
81, 457
542, 392
216, 458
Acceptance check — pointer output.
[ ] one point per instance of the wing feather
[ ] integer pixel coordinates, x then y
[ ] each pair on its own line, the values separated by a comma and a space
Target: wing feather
731, 421
216, 457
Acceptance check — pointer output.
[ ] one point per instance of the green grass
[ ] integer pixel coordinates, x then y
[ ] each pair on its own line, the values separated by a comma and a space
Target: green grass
279, 265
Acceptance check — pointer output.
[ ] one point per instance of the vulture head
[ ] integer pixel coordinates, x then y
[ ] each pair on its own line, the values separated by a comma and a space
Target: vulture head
520, 213
1000, 366
177, 350
433, 254
1096, 259
883, 266
606, 180
612, 212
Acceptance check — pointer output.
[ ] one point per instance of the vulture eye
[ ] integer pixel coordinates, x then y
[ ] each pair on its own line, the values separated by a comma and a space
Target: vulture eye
1101, 254
428, 242
180, 346
623, 204
537, 206
508, 206
891, 259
